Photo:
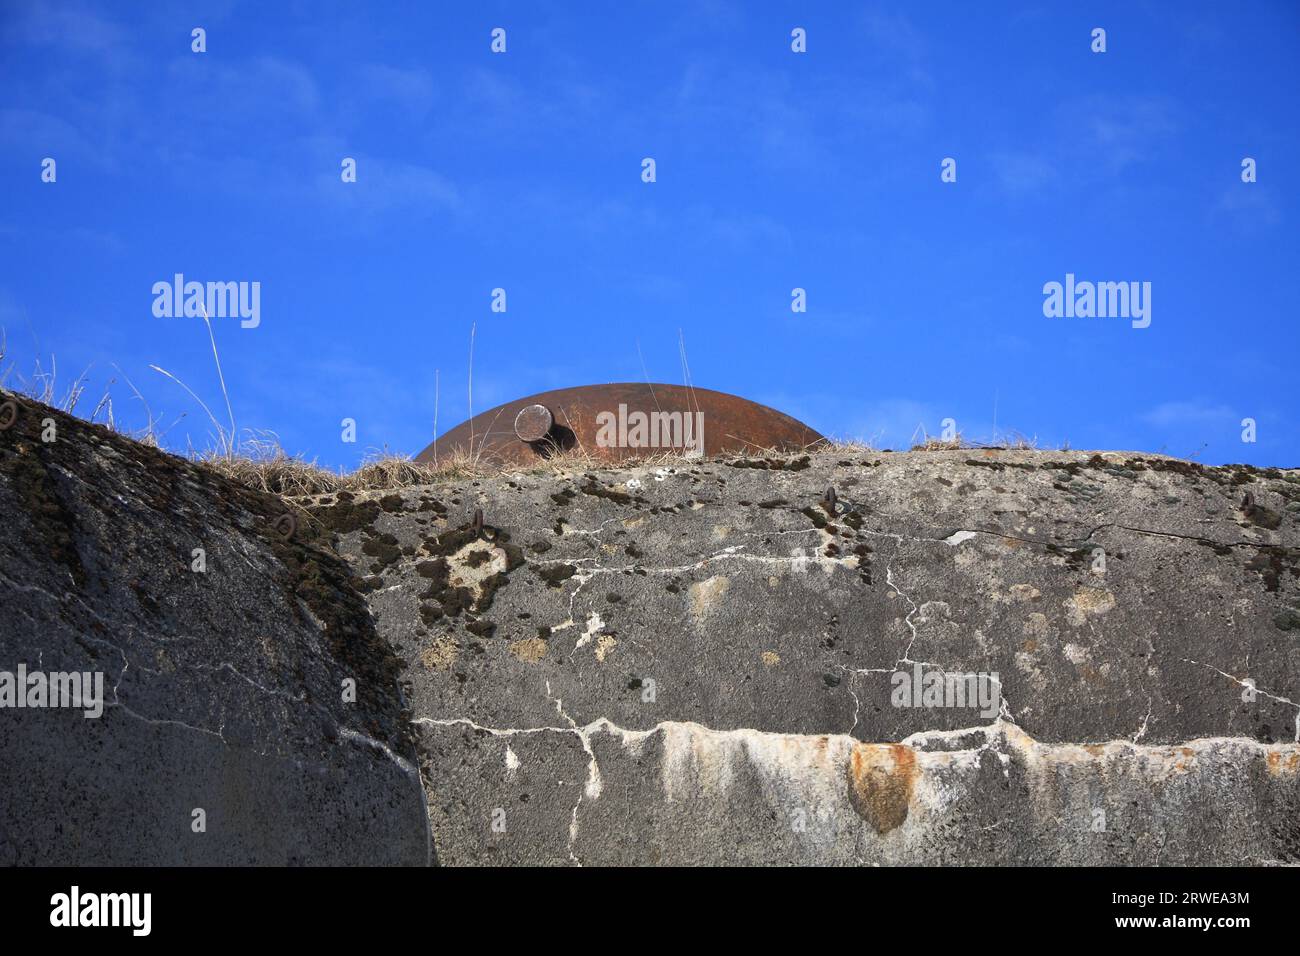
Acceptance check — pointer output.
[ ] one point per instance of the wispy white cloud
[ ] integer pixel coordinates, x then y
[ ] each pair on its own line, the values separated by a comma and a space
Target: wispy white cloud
1023, 172
1198, 414
1123, 130
71, 26
48, 134
1250, 207
385, 185
412, 90
234, 93
883, 423
893, 37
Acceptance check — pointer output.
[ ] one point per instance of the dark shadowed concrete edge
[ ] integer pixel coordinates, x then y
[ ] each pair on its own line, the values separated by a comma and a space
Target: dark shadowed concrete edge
224, 636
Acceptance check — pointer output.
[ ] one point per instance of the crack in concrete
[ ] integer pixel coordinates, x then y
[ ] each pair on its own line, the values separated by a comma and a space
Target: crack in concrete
889, 579
1042, 543
1141, 732
593, 786
1251, 684
411, 771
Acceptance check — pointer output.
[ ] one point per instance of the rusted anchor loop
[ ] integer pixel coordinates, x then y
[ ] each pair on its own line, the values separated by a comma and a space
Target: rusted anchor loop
8, 415
286, 526
485, 532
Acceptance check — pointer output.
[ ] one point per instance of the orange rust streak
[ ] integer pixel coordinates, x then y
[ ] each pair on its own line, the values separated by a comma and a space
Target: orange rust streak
882, 779
1279, 763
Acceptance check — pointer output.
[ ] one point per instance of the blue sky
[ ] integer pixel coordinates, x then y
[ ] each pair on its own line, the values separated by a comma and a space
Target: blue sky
775, 170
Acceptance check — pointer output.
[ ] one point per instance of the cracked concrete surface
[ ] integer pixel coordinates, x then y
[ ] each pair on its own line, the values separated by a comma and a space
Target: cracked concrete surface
690, 664
222, 688
712, 651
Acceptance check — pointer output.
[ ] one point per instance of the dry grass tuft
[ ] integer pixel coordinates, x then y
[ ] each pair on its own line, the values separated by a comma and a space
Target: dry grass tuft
1019, 442
937, 444
1010, 441
265, 466
848, 447
940, 444
43, 385
385, 471
262, 464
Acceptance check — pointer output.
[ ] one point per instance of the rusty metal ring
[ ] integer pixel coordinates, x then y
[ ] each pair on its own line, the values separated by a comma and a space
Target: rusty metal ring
8, 415
286, 526
534, 423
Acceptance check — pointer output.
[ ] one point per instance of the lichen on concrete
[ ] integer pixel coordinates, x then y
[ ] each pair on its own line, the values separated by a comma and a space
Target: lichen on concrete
1147, 709
224, 647
696, 664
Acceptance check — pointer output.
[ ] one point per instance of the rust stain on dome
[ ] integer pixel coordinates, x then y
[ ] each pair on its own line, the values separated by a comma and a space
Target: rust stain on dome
621, 421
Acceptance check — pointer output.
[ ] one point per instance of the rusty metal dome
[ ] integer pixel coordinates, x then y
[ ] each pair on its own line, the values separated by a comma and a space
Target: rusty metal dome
622, 420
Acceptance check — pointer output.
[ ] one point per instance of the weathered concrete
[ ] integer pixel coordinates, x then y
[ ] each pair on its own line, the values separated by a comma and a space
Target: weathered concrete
223, 690
690, 664
694, 664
